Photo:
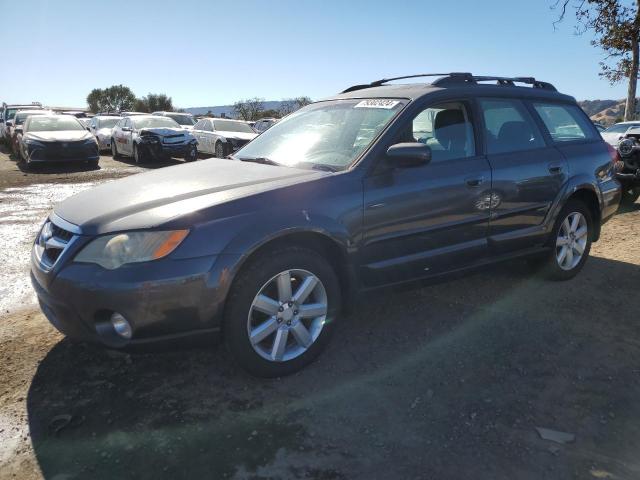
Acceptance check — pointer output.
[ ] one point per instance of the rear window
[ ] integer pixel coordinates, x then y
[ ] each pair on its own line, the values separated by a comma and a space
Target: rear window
509, 127
566, 123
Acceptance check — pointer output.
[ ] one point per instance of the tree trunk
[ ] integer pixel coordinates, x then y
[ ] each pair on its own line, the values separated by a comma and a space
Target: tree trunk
630, 107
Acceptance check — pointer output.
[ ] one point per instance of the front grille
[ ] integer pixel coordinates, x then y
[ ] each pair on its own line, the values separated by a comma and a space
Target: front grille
52, 242
173, 138
65, 150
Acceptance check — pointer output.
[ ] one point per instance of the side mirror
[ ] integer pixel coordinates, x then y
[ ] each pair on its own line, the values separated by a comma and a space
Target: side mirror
9, 123
88, 129
411, 154
18, 129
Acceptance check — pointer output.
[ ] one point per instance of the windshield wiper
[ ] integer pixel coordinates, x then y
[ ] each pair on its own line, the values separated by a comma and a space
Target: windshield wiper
261, 160
324, 167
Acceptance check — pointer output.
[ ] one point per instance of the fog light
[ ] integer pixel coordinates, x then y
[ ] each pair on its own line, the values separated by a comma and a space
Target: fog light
121, 325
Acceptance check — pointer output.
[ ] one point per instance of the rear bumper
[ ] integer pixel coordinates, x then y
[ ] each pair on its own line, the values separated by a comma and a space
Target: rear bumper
164, 301
611, 195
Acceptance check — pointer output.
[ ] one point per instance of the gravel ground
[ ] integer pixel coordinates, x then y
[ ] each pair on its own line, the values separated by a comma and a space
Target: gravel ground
446, 382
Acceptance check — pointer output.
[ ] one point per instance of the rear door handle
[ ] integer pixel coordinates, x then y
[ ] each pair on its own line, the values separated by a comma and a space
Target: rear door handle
555, 168
474, 181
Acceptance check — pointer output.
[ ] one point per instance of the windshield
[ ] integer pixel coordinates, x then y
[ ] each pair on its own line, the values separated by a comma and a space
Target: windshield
108, 122
182, 119
232, 126
332, 133
22, 116
155, 122
53, 124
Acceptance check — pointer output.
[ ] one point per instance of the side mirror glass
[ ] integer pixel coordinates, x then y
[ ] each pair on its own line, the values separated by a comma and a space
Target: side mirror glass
88, 129
18, 129
411, 154
9, 123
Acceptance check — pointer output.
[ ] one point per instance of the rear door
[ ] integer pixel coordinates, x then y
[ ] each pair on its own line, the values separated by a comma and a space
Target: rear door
432, 218
528, 174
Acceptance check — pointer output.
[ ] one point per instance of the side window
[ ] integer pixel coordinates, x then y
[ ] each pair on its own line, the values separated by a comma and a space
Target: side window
446, 128
565, 123
207, 126
198, 125
509, 127
620, 128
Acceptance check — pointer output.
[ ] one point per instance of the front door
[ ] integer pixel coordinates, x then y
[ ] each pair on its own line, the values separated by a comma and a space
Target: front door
433, 218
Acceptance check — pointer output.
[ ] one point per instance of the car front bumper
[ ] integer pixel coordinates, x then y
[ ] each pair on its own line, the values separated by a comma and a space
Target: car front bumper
158, 150
163, 300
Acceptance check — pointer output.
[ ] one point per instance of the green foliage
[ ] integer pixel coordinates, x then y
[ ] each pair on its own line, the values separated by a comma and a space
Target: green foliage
290, 105
249, 109
154, 102
114, 98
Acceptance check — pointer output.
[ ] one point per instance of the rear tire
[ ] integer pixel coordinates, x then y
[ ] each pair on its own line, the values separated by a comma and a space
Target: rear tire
570, 242
114, 150
279, 277
629, 195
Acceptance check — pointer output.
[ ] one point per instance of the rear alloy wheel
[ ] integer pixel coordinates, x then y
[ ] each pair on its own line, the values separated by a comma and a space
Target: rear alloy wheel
572, 236
219, 150
281, 312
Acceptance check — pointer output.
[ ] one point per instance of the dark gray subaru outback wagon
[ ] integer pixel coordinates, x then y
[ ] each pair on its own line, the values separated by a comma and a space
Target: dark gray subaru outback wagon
382, 184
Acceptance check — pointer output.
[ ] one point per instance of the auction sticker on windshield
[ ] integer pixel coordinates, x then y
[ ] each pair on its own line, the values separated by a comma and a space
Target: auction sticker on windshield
377, 103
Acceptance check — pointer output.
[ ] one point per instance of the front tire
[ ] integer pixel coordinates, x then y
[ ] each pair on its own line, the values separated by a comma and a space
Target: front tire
219, 149
570, 241
138, 155
281, 312
192, 154
114, 150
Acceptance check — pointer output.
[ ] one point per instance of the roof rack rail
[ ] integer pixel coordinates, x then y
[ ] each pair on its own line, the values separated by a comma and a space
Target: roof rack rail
460, 78
382, 81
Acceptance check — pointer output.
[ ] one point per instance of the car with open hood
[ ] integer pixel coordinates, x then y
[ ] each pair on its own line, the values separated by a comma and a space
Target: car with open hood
152, 137
382, 184
221, 136
56, 138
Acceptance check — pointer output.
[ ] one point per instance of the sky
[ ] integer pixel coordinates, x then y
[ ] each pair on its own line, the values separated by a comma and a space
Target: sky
206, 53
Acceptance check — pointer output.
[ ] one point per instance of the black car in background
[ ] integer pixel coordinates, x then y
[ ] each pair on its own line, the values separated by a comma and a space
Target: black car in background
56, 138
152, 137
379, 185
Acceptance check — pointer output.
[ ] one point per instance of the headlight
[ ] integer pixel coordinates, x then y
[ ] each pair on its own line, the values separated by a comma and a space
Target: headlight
90, 141
112, 251
33, 143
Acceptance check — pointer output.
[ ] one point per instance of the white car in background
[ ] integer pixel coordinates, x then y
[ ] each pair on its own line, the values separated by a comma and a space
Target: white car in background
264, 124
615, 133
185, 120
221, 136
101, 126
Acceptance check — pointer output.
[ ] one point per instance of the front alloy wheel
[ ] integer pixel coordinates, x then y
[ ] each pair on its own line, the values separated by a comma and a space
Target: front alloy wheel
571, 241
287, 315
281, 311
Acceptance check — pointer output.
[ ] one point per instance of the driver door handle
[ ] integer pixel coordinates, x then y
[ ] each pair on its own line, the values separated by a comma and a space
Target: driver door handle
555, 168
474, 181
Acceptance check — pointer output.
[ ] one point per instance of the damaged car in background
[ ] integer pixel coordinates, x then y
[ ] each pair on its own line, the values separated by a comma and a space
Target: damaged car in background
629, 171
222, 137
152, 137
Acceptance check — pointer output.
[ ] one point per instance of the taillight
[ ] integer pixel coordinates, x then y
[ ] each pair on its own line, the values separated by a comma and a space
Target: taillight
613, 153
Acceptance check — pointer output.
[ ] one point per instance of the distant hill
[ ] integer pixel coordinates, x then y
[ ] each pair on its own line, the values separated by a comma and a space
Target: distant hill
218, 110
606, 112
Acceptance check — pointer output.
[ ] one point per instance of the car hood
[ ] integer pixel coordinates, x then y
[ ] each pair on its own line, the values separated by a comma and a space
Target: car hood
105, 132
62, 135
163, 131
237, 135
150, 199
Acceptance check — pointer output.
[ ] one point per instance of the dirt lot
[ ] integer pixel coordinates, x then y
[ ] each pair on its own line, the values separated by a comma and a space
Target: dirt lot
442, 382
